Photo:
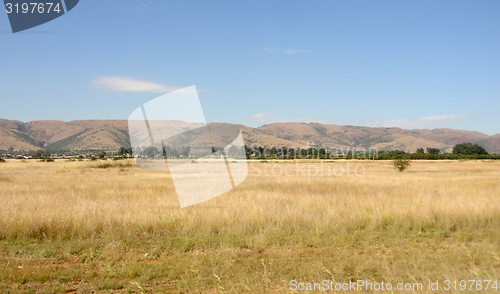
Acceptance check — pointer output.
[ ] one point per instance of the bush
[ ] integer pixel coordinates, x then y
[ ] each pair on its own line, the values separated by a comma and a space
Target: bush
106, 165
45, 159
419, 155
401, 164
431, 150
469, 149
2, 160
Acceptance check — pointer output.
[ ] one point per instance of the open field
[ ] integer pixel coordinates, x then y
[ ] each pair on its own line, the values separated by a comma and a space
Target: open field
69, 227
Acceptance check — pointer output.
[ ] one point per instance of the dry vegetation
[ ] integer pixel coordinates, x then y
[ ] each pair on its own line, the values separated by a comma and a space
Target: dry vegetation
75, 227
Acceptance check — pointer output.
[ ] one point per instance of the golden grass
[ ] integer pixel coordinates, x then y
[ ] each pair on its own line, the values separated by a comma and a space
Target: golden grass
71, 226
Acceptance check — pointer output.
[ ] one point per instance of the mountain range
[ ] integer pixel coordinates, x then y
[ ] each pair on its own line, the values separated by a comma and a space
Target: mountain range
113, 134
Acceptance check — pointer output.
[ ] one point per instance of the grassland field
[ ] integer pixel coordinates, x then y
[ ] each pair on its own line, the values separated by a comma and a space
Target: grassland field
77, 227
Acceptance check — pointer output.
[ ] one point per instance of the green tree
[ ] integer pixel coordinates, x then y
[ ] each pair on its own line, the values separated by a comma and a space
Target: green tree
102, 154
431, 150
397, 152
401, 164
122, 151
420, 150
469, 149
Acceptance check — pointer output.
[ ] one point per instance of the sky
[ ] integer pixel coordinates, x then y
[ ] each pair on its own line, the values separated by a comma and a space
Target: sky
408, 64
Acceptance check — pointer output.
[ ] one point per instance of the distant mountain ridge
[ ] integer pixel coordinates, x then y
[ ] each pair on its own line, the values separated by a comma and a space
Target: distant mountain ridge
113, 134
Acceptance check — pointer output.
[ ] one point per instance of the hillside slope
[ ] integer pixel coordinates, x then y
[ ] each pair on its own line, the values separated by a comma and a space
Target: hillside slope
113, 134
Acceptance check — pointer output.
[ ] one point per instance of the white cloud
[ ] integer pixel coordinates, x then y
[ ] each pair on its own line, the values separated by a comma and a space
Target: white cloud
268, 50
414, 123
263, 117
284, 51
127, 84
144, 5
294, 51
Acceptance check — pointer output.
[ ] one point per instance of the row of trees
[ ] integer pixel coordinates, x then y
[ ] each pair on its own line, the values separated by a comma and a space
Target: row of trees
44, 153
430, 150
167, 152
462, 149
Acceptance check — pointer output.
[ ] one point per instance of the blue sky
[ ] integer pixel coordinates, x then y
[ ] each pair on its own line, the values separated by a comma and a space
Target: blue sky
412, 64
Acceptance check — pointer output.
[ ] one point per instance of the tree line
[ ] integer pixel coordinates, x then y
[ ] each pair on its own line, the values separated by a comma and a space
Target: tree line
460, 151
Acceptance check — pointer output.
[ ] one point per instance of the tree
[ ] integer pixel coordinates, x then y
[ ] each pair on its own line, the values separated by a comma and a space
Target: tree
185, 151
36, 155
122, 151
431, 150
397, 152
233, 151
102, 154
248, 151
151, 151
168, 151
469, 149
401, 164
420, 150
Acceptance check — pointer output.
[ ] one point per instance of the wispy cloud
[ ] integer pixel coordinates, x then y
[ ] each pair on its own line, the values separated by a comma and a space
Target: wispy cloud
144, 5
263, 117
127, 84
294, 51
415, 123
284, 51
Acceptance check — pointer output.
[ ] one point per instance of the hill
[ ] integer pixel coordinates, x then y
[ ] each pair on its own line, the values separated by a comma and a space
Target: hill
113, 134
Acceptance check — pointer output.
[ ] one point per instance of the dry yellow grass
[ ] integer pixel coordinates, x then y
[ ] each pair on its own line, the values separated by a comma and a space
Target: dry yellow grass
68, 226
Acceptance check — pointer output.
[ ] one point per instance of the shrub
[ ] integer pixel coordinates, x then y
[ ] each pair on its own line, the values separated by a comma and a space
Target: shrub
401, 164
45, 159
469, 149
432, 150
106, 165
